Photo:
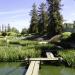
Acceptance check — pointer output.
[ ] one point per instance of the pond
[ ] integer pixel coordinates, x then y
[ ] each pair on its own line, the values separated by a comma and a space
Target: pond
56, 70
12, 68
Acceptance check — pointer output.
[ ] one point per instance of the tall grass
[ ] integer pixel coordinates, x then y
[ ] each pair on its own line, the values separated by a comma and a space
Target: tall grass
17, 53
14, 52
68, 56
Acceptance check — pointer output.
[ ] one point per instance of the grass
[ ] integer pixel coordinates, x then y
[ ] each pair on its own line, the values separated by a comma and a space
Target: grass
18, 50
68, 56
17, 53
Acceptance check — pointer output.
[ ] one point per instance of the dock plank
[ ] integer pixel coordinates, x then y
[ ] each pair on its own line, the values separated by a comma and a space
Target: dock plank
40, 59
51, 56
30, 68
36, 68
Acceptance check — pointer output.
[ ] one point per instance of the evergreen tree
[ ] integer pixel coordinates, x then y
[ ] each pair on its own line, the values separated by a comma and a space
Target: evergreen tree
43, 18
74, 24
2, 28
55, 18
5, 29
24, 31
8, 28
34, 20
13, 29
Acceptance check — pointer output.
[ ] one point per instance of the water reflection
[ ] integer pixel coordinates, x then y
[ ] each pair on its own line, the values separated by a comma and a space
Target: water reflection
12, 69
56, 70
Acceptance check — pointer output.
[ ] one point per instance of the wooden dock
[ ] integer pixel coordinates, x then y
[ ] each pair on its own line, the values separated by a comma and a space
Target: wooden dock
40, 59
33, 68
35, 63
51, 56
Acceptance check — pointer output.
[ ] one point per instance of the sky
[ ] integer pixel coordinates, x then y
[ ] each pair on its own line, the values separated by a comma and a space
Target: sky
16, 12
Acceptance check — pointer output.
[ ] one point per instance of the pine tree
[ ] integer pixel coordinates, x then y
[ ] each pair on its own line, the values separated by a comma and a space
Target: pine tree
2, 28
43, 18
55, 18
8, 28
34, 20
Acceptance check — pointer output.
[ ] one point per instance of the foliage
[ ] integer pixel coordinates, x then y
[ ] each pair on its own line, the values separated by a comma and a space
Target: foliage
11, 34
55, 18
43, 18
14, 30
8, 28
3, 42
34, 20
0, 33
4, 33
24, 31
19, 51
72, 37
68, 56
46, 46
66, 35
16, 53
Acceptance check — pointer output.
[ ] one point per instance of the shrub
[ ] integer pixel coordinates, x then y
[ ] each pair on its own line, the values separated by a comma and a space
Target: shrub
3, 42
12, 34
66, 35
68, 56
72, 37
4, 33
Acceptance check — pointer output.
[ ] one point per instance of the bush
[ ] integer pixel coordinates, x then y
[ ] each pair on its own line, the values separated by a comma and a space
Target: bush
12, 34
68, 56
72, 37
4, 33
66, 35
3, 42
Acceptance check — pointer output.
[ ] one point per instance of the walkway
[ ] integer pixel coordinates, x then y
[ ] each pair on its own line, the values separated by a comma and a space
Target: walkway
35, 63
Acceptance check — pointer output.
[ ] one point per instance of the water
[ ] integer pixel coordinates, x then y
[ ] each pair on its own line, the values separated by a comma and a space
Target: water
12, 69
56, 70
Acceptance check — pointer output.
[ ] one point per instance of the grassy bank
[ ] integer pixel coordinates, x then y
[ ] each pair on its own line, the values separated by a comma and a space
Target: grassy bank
18, 50
68, 56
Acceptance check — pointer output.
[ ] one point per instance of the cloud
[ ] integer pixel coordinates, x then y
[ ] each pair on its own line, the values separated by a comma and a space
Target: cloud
17, 18
14, 12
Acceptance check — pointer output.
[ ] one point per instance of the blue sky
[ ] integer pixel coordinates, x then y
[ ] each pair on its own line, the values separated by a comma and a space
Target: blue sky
16, 12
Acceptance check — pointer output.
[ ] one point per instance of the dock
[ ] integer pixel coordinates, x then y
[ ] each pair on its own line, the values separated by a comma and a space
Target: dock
51, 56
40, 59
33, 68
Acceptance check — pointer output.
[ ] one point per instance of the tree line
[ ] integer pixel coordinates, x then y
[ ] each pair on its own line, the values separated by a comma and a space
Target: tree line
47, 19
8, 28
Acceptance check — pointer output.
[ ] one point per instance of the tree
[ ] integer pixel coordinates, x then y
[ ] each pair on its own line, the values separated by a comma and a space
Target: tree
55, 18
2, 28
34, 20
8, 28
74, 24
43, 18
24, 31
14, 30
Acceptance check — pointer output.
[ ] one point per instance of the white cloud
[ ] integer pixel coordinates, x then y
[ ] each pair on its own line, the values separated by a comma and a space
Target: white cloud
14, 11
